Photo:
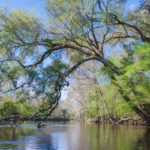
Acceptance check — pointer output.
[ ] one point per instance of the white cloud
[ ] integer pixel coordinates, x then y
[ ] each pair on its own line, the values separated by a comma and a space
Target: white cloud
131, 7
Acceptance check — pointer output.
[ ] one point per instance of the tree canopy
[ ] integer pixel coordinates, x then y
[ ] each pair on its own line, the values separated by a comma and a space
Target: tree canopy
35, 53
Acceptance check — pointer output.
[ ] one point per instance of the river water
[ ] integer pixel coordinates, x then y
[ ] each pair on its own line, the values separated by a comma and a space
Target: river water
74, 136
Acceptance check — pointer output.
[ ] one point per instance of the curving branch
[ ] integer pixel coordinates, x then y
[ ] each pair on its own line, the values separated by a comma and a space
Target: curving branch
17, 87
48, 53
115, 20
47, 111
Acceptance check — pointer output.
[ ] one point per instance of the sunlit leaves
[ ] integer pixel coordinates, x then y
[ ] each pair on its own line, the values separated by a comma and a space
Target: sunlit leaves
11, 109
17, 29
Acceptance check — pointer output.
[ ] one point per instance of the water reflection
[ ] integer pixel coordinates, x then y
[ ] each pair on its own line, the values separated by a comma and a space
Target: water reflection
75, 137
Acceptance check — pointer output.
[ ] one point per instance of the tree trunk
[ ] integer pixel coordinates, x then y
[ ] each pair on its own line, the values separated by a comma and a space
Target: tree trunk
101, 94
114, 70
138, 111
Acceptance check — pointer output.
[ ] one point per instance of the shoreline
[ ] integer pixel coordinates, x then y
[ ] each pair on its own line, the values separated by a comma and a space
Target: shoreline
121, 121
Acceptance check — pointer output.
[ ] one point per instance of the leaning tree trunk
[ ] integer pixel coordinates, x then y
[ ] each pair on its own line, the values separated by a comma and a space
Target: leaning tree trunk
135, 108
112, 69
101, 94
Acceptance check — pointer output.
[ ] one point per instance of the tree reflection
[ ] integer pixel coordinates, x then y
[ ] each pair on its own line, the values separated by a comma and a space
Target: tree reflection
76, 137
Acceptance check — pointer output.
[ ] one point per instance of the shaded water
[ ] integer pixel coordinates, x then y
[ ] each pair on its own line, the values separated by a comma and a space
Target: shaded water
60, 136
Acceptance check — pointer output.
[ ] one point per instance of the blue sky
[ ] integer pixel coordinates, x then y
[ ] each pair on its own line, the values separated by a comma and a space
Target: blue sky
132, 4
20, 3
36, 5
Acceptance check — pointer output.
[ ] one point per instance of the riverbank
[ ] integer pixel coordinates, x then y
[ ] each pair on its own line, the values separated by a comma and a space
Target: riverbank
14, 121
97, 120
121, 121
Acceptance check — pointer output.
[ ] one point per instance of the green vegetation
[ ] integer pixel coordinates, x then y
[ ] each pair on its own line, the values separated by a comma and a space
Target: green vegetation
12, 109
127, 94
39, 56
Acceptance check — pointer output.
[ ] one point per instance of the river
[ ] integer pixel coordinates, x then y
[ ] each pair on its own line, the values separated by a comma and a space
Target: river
74, 136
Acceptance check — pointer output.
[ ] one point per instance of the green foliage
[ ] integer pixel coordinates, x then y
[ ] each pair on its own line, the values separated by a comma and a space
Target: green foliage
93, 109
13, 108
135, 74
25, 110
75, 56
115, 103
8, 109
17, 28
70, 15
133, 79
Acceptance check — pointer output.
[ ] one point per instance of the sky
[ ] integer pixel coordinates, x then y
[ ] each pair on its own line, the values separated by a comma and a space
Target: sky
132, 4
36, 5
20, 4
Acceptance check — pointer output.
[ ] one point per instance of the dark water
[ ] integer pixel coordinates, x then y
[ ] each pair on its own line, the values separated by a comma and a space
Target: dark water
60, 136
